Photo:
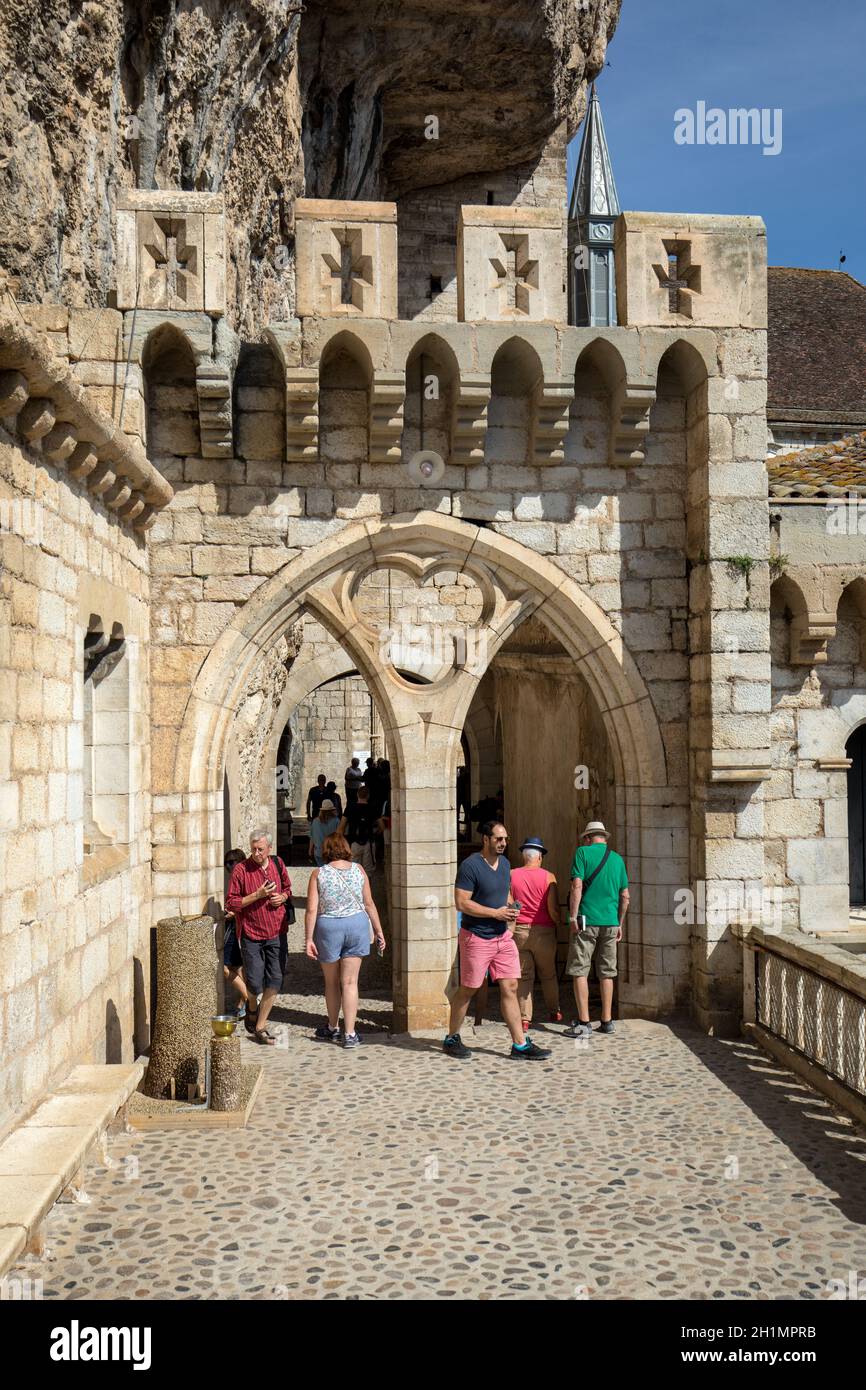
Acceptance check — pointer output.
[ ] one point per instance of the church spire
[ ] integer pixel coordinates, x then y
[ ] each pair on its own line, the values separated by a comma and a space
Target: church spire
594, 209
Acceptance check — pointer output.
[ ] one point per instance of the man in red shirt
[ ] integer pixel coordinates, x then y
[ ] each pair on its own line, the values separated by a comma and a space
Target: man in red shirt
259, 889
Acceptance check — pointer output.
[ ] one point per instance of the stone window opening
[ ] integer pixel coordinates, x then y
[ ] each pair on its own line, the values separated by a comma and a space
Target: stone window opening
679, 277
170, 396
515, 380
345, 379
259, 405
432, 385
106, 714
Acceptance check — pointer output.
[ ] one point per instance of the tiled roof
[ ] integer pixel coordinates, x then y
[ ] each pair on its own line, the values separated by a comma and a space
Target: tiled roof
817, 345
831, 470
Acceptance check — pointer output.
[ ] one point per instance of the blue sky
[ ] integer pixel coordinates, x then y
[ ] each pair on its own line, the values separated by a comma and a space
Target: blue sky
807, 59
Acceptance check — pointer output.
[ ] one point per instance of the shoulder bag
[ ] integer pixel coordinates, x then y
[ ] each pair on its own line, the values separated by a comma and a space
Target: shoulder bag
289, 920
581, 919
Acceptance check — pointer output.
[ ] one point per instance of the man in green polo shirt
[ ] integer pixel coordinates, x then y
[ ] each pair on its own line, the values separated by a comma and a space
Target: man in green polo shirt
597, 906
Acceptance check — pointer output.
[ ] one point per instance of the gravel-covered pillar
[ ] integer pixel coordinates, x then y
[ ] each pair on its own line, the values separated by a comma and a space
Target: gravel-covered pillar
225, 1073
186, 1001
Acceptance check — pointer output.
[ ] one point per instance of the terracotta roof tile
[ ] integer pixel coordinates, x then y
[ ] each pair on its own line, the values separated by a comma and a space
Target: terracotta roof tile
816, 343
831, 470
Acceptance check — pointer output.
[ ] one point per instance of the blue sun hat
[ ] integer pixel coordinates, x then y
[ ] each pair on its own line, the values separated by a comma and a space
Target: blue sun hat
533, 842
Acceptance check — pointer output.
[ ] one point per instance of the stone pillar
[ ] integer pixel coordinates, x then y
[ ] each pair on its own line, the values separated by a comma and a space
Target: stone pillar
186, 1001
730, 668
225, 1073
423, 868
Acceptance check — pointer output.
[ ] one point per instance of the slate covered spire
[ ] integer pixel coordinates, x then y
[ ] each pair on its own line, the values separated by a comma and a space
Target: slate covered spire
591, 218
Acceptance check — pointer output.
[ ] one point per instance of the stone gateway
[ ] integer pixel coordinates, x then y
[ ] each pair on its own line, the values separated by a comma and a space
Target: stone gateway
223, 574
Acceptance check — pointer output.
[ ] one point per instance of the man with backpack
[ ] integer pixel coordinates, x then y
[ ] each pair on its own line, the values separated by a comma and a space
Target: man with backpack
597, 906
258, 893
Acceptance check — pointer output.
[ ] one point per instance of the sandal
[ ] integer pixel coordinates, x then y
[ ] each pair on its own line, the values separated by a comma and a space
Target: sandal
261, 1035
250, 1021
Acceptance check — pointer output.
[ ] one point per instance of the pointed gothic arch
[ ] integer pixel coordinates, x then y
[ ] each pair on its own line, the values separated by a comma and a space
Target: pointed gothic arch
423, 723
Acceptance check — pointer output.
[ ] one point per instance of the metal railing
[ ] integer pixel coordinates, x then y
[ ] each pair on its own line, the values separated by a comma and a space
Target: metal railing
803, 998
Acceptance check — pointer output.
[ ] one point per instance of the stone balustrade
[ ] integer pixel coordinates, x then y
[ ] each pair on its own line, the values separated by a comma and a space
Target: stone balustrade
805, 1000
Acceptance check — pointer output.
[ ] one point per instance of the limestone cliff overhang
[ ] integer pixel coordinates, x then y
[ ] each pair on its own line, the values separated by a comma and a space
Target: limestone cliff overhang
42, 402
832, 470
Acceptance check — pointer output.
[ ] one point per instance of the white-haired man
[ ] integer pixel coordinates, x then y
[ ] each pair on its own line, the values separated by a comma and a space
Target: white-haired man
597, 906
258, 891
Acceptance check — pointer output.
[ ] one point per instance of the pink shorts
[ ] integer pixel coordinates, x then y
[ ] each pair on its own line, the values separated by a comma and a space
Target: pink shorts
499, 955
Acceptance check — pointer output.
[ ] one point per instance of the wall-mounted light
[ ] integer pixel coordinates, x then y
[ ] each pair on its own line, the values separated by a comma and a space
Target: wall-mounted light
426, 467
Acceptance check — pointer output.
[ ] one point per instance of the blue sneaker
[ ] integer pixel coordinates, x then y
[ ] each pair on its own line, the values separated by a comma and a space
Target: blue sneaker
351, 1040
579, 1030
605, 1027
529, 1052
326, 1034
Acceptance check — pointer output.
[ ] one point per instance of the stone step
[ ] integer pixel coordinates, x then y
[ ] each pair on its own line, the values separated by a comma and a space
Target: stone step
40, 1158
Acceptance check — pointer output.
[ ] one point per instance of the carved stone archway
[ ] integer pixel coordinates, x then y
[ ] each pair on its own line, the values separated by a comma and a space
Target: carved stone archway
423, 723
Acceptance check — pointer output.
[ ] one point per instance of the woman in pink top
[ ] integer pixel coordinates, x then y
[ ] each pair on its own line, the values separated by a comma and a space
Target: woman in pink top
535, 931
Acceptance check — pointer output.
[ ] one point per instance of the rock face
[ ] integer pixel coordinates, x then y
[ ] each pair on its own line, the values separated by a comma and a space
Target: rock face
498, 77
100, 94
153, 94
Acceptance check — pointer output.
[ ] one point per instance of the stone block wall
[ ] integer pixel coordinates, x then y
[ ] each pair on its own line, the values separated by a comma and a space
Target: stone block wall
74, 926
818, 702
331, 726
568, 452
427, 223
618, 532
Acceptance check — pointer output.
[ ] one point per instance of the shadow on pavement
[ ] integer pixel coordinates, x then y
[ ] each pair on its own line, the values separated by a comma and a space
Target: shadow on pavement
830, 1145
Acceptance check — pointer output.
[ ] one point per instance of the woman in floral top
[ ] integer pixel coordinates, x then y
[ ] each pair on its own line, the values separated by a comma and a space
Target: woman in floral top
341, 919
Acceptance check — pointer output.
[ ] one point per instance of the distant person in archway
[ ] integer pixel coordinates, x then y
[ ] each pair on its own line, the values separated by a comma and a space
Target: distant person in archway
315, 796
482, 895
339, 917
597, 908
488, 808
332, 795
383, 784
534, 888
353, 779
358, 826
326, 823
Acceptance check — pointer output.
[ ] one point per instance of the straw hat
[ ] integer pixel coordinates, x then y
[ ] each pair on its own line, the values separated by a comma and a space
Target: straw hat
595, 827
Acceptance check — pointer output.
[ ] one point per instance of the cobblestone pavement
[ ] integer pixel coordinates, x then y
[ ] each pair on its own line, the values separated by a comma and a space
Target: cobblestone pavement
653, 1163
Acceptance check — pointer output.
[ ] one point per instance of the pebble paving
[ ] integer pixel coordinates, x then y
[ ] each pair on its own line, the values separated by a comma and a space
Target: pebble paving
654, 1163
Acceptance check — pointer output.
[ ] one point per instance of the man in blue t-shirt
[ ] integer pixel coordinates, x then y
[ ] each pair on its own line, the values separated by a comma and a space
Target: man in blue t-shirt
482, 895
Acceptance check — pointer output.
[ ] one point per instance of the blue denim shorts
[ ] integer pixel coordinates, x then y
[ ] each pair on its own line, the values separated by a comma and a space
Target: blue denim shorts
338, 937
